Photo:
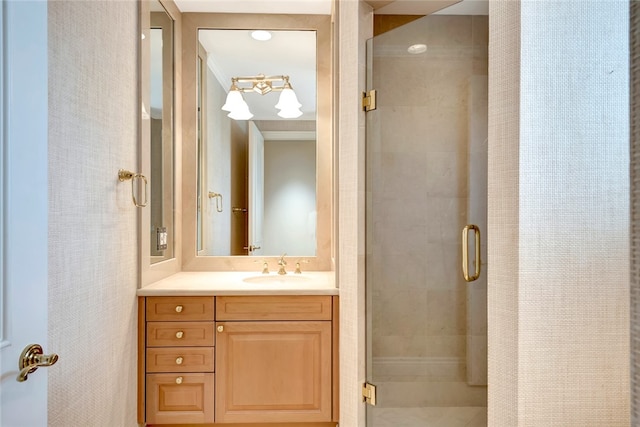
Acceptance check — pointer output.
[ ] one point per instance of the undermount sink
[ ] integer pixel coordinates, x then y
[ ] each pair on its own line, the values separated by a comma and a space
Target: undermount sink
278, 279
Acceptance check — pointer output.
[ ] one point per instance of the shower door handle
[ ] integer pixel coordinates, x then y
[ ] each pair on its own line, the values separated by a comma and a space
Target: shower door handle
465, 252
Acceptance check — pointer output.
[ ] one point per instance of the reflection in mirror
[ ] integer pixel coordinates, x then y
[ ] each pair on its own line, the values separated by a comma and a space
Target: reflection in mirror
256, 167
161, 101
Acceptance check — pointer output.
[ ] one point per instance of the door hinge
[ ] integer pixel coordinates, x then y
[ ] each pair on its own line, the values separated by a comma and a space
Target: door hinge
369, 394
369, 100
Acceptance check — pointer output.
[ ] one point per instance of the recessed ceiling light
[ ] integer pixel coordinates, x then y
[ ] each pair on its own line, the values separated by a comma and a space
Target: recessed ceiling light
417, 48
261, 35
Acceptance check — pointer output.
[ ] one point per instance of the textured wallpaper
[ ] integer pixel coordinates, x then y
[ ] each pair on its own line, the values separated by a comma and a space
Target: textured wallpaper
635, 210
355, 25
92, 238
503, 221
560, 301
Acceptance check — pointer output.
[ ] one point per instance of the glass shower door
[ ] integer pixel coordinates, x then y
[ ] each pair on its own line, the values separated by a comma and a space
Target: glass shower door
426, 180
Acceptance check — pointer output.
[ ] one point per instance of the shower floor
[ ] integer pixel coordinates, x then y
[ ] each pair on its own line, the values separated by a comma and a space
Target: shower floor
429, 417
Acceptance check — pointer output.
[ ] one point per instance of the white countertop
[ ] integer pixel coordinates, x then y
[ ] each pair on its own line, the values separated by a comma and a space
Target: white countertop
205, 283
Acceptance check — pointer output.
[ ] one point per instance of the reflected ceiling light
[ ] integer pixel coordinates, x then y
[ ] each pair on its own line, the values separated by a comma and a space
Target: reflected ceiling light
261, 35
416, 49
239, 110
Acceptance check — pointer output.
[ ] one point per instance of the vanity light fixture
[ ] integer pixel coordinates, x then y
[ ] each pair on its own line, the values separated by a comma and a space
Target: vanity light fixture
239, 110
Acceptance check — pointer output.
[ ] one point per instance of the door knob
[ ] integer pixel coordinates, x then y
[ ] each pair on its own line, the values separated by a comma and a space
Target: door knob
32, 359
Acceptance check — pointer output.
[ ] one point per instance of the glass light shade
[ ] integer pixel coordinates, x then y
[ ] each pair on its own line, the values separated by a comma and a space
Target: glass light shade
288, 100
290, 113
234, 101
241, 113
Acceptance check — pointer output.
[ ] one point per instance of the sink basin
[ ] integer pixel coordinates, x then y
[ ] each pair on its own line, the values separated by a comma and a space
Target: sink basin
277, 279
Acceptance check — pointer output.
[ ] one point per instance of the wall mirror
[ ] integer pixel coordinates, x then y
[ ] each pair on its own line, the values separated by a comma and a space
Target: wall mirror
160, 25
257, 169
257, 174
161, 135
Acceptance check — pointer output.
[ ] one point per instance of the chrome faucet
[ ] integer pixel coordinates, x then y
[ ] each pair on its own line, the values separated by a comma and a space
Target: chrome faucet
282, 263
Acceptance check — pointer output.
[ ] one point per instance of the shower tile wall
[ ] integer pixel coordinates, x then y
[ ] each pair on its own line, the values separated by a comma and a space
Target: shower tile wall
418, 203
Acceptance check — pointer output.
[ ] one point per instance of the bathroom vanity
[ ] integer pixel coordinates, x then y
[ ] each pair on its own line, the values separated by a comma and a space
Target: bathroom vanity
241, 348
219, 343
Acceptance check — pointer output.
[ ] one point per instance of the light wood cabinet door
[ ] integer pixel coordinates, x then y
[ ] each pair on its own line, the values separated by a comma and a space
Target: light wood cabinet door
180, 398
273, 372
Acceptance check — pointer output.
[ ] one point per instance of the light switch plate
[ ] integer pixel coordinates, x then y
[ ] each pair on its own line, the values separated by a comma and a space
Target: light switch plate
161, 241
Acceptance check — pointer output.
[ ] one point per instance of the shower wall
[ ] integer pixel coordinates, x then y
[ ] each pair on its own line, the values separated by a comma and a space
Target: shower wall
428, 327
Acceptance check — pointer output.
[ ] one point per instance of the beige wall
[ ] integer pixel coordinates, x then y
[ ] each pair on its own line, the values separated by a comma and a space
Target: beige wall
289, 197
93, 242
635, 210
558, 214
354, 23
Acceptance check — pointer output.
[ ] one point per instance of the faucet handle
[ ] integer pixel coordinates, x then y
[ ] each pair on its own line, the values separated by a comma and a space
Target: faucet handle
298, 271
265, 266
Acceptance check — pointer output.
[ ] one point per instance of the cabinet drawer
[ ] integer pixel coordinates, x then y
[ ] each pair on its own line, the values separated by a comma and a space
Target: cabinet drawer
178, 334
273, 308
180, 359
179, 308
180, 398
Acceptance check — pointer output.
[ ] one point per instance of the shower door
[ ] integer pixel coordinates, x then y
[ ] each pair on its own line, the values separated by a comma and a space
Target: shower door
426, 180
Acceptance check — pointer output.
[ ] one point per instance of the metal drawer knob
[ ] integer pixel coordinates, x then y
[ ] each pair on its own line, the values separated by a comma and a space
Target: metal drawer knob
179, 334
179, 361
179, 380
220, 328
179, 309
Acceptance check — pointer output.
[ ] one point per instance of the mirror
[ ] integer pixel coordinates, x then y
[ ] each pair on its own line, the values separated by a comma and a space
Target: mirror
223, 181
257, 175
160, 100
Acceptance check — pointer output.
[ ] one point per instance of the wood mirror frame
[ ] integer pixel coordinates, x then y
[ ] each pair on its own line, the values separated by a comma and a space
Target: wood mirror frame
191, 23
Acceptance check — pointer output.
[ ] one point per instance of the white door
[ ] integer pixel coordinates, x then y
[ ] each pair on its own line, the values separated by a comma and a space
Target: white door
23, 264
256, 189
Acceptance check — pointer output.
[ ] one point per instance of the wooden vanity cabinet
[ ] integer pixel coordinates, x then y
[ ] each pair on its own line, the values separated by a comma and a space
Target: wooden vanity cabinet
272, 362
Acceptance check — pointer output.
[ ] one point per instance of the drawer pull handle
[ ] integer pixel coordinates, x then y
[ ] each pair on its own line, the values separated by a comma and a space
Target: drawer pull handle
179, 334
179, 380
179, 361
220, 328
179, 308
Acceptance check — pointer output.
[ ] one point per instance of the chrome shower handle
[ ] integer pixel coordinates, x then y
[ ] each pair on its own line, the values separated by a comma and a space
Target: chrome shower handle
465, 252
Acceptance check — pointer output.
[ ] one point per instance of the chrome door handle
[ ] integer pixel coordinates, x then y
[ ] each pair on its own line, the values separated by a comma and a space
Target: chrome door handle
465, 252
32, 359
